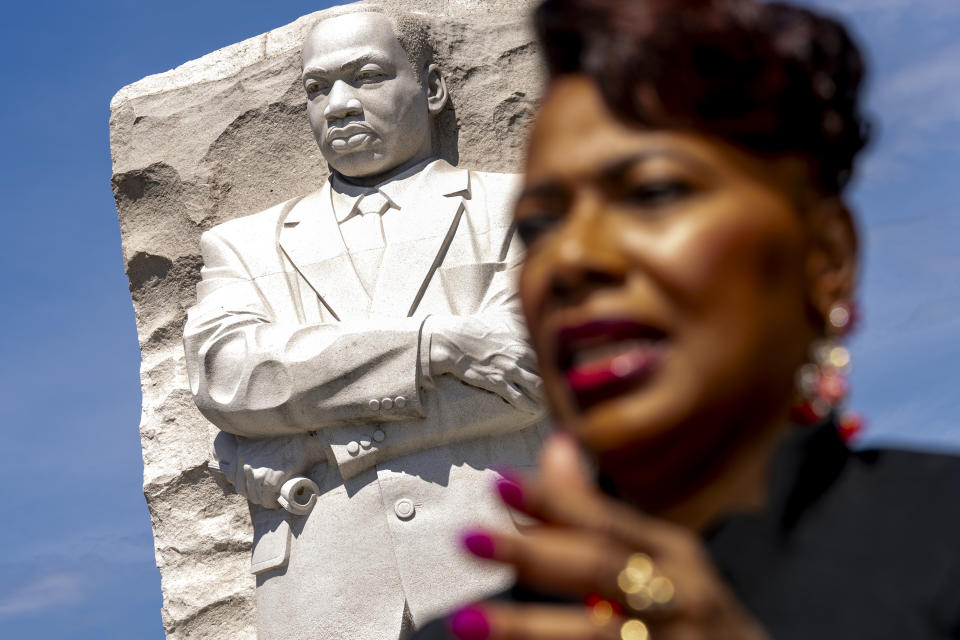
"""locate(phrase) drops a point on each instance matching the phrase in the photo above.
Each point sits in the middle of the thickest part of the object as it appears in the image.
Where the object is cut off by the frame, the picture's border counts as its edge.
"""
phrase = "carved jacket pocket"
(271, 539)
(466, 285)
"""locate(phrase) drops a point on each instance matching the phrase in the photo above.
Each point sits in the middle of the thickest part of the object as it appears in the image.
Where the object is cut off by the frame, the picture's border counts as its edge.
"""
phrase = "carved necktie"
(366, 261)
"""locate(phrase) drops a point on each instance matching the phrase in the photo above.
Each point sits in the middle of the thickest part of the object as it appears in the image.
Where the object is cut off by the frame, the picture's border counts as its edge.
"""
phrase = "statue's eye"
(370, 74)
(314, 87)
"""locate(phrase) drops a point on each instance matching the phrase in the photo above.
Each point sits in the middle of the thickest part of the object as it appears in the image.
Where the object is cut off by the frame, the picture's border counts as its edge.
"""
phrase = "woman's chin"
(632, 420)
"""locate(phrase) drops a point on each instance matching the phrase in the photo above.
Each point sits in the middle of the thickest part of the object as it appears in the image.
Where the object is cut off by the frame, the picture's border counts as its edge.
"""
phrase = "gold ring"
(633, 629)
(644, 589)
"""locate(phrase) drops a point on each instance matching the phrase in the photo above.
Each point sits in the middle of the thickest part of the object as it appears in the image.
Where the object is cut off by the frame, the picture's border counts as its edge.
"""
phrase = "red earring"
(822, 385)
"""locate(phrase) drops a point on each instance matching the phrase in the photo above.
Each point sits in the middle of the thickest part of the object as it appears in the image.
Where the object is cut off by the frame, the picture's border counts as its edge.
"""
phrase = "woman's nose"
(586, 255)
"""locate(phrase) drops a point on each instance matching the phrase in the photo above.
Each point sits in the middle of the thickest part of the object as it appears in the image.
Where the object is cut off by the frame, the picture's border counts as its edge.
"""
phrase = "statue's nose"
(341, 102)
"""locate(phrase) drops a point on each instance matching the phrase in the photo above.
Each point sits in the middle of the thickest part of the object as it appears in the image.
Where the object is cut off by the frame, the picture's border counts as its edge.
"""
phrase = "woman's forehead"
(577, 137)
(576, 134)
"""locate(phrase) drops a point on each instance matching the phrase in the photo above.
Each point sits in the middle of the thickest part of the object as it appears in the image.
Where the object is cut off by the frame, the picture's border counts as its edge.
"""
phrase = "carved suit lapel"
(311, 240)
(416, 249)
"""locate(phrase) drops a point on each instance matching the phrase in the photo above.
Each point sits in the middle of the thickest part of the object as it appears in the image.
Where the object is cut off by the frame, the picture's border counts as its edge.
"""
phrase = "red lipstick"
(602, 359)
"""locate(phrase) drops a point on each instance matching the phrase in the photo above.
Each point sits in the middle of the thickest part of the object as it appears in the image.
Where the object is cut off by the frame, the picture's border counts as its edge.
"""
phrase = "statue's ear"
(832, 256)
(436, 88)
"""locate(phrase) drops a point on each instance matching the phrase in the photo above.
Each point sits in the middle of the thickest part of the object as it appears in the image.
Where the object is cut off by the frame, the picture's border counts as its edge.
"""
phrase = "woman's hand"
(580, 548)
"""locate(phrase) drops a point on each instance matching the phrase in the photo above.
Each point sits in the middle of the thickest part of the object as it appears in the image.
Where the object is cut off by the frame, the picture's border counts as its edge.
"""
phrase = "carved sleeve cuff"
(426, 380)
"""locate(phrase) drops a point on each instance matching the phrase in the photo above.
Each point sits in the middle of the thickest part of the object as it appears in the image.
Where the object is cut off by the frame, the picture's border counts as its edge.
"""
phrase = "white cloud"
(914, 87)
(918, 107)
(120, 541)
(927, 93)
(864, 6)
(889, 11)
(44, 593)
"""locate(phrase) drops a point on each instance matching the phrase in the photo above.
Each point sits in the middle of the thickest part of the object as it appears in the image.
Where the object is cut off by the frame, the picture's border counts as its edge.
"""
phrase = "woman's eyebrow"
(619, 167)
(542, 190)
(615, 170)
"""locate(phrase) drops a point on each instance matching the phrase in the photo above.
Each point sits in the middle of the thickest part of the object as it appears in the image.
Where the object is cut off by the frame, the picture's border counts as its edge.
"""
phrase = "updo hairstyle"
(773, 78)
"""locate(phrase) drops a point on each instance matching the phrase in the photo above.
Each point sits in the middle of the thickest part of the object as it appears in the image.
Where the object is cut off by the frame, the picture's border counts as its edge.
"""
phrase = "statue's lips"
(349, 138)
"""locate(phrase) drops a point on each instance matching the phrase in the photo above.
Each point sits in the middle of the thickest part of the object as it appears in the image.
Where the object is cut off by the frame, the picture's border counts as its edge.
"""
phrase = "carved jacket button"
(399, 402)
(386, 404)
(379, 435)
(404, 508)
(374, 405)
(353, 447)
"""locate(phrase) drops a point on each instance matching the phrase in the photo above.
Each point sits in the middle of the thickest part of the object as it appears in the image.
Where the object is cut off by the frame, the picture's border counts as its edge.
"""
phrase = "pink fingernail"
(469, 623)
(510, 492)
(479, 544)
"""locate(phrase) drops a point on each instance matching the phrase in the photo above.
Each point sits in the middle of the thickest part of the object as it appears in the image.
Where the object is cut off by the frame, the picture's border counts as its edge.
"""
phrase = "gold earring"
(822, 384)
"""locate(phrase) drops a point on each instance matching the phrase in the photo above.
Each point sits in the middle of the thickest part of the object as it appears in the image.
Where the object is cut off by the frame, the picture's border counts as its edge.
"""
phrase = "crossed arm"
(257, 376)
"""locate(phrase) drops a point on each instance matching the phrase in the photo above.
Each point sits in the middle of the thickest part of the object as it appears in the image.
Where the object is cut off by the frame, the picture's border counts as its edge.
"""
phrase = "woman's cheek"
(718, 255)
(532, 287)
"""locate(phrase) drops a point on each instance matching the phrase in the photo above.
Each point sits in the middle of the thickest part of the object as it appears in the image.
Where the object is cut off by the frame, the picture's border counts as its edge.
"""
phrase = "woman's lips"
(603, 359)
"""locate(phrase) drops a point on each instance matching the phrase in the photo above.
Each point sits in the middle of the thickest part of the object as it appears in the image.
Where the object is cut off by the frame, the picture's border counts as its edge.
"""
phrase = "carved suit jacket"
(285, 340)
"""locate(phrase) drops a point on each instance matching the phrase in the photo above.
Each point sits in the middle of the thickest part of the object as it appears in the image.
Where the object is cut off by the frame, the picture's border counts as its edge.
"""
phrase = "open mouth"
(603, 359)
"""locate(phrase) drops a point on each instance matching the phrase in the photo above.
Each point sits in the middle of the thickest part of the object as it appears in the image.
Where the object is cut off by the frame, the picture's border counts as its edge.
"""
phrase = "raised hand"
(640, 576)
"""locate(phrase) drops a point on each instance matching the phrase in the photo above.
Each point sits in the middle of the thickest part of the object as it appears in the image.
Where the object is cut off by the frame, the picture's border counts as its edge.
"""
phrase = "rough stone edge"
(234, 58)
(217, 65)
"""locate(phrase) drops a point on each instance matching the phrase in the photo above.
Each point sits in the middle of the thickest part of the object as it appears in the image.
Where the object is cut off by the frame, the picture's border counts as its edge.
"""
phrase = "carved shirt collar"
(431, 177)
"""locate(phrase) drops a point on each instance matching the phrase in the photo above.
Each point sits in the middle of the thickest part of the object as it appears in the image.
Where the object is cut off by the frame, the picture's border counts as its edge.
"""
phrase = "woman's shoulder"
(866, 538)
(879, 495)
(818, 479)
(924, 483)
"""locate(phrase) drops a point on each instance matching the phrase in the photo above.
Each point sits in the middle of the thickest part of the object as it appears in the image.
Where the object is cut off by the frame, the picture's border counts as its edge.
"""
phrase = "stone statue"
(361, 350)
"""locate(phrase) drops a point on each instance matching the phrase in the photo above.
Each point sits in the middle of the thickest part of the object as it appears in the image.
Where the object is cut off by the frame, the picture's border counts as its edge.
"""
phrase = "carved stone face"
(367, 109)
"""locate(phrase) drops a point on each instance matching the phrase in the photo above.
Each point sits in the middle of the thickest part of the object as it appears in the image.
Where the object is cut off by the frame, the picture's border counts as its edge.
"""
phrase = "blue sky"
(77, 553)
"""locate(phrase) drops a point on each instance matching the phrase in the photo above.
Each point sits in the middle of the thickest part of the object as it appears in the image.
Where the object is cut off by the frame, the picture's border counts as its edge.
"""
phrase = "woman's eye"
(655, 194)
(531, 227)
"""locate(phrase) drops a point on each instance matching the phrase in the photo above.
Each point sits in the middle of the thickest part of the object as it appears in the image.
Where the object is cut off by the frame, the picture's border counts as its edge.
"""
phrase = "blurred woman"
(691, 270)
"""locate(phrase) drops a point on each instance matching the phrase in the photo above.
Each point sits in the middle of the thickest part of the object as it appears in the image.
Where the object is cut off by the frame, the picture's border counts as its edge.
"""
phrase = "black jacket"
(852, 545)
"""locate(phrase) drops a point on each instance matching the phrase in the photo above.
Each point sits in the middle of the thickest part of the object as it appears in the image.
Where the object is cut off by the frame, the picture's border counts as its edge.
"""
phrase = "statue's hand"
(488, 353)
(258, 467)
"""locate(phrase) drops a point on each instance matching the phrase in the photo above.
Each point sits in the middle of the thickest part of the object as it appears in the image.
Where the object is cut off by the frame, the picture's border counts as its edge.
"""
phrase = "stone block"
(224, 136)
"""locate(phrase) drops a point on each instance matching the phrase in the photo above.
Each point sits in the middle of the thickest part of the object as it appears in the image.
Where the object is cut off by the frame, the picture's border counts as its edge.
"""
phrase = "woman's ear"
(436, 88)
(831, 267)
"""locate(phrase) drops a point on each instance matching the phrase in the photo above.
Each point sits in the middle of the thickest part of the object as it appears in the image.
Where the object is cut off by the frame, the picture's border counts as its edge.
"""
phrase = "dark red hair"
(773, 78)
